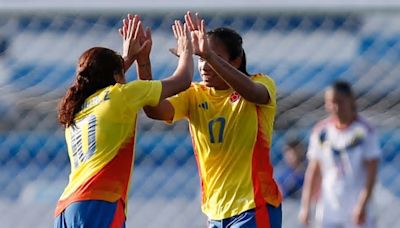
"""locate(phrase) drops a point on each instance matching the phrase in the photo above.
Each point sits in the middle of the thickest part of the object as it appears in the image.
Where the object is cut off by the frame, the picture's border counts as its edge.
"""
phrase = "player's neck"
(343, 122)
(222, 87)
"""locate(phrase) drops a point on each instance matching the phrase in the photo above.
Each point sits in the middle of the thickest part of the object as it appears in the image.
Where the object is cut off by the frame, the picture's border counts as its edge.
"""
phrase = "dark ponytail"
(96, 69)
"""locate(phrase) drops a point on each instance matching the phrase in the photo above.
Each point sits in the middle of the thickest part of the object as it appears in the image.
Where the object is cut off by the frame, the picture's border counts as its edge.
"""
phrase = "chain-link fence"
(303, 52)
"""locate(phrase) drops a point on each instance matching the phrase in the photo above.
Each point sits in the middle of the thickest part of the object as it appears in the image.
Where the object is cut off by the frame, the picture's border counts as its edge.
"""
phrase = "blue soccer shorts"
(92, 213)
(264, 217)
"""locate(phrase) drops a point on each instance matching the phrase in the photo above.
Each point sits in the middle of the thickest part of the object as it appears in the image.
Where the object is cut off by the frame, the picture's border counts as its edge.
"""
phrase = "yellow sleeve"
(180, 102)
(137, 94)
(269, 84)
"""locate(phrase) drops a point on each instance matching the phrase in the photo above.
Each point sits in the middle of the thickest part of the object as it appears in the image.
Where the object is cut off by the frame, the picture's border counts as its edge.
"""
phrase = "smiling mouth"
(207, 75)
(207, 79)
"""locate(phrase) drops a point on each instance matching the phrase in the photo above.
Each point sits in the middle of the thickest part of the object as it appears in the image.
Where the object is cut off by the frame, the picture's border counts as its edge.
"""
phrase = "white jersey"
(341, 154)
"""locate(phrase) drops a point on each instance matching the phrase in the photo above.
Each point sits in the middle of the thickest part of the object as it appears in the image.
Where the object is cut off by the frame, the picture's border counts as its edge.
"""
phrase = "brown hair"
(344, 87)
(95, 70)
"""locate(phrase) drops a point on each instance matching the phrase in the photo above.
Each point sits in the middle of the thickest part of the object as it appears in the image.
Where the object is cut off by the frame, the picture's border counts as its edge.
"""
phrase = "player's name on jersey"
(96, 100)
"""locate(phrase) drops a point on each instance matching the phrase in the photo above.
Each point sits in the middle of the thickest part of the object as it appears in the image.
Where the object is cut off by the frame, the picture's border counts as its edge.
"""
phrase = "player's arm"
(312, 181)
(164, 110)
(241, 83)
(179, 81)
(371, 168)
(143, 68)
(143, 64)
(181, 78)
(136, 44)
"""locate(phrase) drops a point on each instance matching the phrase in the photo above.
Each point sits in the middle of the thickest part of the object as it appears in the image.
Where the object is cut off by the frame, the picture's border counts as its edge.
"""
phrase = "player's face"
(338, 104)
(208, 75)
(291, 158)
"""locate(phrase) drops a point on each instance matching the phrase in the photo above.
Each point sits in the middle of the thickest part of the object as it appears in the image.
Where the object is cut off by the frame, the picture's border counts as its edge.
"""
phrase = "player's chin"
(208, 83)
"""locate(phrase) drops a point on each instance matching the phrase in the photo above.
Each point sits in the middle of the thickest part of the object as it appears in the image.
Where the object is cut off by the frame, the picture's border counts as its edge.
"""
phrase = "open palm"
(130, 33)
(182, 36)
(199, 35)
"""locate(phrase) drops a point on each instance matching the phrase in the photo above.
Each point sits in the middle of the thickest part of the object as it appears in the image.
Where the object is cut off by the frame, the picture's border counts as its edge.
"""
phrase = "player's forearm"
(153, 112)
(163, 111)
(143, 69)
(240, 82)
(366, 193)
(127, 63)
(306, 194)
(311, 183)
(185, 69)
(181, 78)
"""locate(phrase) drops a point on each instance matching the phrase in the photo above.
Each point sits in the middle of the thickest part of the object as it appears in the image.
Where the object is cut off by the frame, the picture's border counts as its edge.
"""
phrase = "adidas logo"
(203, 105)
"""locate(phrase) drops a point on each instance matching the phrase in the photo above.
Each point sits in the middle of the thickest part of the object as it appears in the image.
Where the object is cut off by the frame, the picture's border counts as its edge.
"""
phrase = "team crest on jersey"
(234, 97)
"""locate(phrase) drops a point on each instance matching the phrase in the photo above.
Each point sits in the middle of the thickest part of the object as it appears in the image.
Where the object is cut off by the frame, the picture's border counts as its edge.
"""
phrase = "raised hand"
(182, 36)
(146, 41)
(130, 33)
(197, 28)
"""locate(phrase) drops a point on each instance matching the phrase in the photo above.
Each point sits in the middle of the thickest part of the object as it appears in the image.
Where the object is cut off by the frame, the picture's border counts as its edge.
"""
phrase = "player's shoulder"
(198, 87)
(263, 78)
(135, 86)
(95, 99)
(118, 87)
(116, 93)
(363, 123)
(135, 83)
(321, 125)
(320, 129)
(114, 90)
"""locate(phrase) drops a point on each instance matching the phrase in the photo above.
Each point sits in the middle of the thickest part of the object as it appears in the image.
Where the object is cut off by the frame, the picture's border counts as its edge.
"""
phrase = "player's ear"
(119, 78)
(236, 62)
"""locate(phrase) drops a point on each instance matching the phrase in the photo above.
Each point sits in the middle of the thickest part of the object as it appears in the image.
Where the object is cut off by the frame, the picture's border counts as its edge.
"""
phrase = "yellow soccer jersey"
(231, 139)
(100, 144)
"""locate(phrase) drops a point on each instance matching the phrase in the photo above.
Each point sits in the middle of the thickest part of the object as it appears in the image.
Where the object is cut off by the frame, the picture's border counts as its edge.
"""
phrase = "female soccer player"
(343, 156)
(99, 114)
(231, 115)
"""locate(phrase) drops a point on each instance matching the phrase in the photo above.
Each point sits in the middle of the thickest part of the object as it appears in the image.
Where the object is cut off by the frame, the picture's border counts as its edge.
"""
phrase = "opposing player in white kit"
(343, 157)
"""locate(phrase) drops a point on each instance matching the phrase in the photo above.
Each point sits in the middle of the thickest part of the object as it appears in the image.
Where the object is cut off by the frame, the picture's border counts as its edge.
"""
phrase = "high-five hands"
(199, 35)
(136, 42)
(182, 36)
